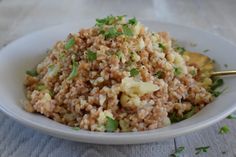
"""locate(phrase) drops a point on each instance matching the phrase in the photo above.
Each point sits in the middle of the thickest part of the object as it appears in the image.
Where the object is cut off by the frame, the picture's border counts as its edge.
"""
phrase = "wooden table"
(18, 18)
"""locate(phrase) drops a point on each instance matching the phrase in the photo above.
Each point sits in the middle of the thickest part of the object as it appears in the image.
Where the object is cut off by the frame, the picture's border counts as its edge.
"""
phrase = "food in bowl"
(117, 76)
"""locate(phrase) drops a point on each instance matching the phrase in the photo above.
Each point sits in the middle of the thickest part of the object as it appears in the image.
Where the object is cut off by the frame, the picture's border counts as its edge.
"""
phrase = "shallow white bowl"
(27, 51)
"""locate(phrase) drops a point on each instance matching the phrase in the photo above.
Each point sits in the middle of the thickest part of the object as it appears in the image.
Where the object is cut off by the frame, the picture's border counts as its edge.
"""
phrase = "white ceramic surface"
(27, 51)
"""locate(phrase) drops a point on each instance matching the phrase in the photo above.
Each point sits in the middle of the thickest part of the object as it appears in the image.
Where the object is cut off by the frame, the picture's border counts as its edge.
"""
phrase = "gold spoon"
(205, 64)
(223, 73)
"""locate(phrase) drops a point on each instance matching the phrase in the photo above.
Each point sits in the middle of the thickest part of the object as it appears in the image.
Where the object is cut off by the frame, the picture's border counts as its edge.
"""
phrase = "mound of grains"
(116, 76)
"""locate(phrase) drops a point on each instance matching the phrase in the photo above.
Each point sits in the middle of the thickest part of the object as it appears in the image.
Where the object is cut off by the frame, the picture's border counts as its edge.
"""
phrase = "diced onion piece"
(139, 88)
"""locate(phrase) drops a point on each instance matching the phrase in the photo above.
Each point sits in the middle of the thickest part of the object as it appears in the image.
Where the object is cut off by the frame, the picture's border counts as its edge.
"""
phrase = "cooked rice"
(105, 87)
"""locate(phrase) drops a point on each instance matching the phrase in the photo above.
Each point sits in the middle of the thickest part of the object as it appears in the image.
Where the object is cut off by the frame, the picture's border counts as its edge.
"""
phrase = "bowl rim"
(116, 138)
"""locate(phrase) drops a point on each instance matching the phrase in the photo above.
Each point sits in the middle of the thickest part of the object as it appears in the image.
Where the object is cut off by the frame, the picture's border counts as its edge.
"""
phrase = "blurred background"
(19, 17)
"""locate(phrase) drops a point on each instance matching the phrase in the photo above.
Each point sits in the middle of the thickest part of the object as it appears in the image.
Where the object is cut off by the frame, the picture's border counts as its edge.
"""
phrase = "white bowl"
(27, 51)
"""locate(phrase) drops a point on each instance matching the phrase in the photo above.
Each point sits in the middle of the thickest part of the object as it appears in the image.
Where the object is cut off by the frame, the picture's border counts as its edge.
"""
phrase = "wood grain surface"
(20, 17)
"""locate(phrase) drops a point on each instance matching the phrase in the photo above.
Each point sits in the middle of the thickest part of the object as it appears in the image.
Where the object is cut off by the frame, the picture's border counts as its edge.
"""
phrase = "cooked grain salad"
(116, 76)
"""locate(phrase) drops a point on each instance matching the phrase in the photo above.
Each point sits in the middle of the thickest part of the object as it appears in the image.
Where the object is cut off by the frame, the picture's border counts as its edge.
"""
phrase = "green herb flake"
(161, 46)
(206, 50)
(178, 151)
(217, 82)
(51, 93)
(109, 20)
(232, 116)
(76, 128)
(129, 63)
(132, 56)
(176, 118)
(201, 150)
(32, 72)
(177, 71)
(223, 152)
(120, 17)
(224, 129)
(62, 56)
(112, 32)
(70, 43)
(119, 54)
(111, 124)
(74, 71)
(133, 21)
(100, 22)
(180, 50)
(193, 72)
(190, 113)
(127, 31)
(41, 87)
(51, 67)
(159, 74)
(91, 55)
(216, 93)
(134, 72)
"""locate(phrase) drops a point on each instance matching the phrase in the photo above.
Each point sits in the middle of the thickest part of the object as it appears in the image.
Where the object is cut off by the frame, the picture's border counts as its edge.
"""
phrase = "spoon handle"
(223, 73)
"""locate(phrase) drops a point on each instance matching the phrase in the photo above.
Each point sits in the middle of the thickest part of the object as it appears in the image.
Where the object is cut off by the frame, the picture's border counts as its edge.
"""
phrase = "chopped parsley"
(70, 43)
(178, 151)
(190, 113)
(32, 72)
(112, 32)
(223, 152)
(180, 50)
(111, 124)
(159, 74)
(62, 56)
(176, 118)
(216, 93)
(133, 56)
(51, 67)
(109, 20)
(201, 150)
(193, 72)
(133, 21)
(76, 128)
(129, 63)
(120, 17)
(91, 55)
(217, 82)
(74, 71)
(232, 116)
(224, 129)
(127, 31)
(177, 71)
(134, 72)
(51, 93)
(206, 50)
(161, 46)
(119, 54)
(41, 87)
